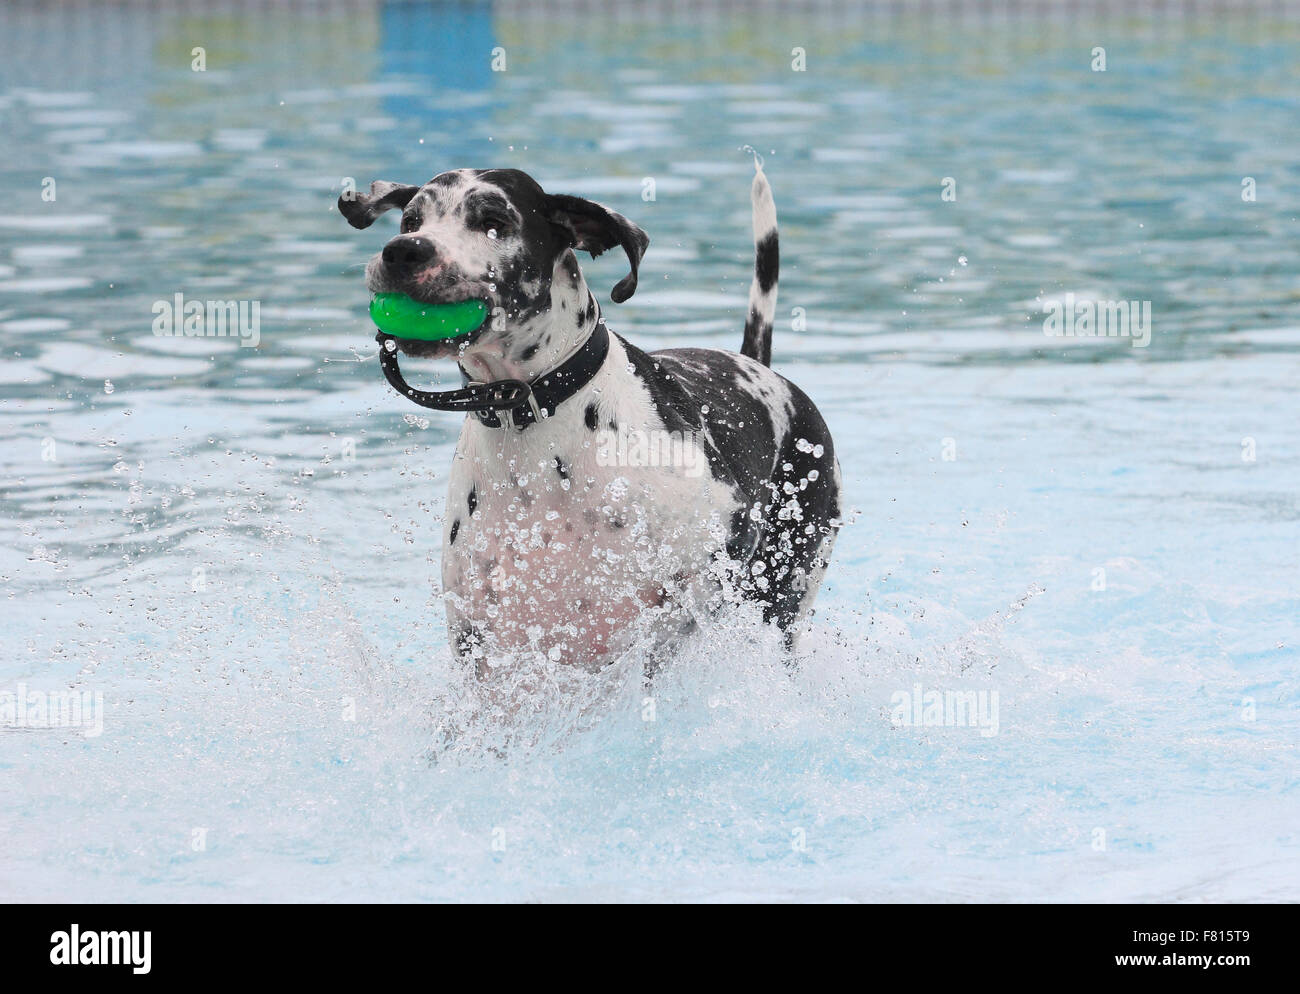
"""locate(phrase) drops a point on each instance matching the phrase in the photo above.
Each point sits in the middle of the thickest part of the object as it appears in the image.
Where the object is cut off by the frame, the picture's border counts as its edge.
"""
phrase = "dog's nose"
(407, 252)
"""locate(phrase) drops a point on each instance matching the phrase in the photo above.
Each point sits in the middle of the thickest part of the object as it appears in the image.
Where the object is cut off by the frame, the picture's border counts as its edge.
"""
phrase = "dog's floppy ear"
(362, 210)
(595, 228)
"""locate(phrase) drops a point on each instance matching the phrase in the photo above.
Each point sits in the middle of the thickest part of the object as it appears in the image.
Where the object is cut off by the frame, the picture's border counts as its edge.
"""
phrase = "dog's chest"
(560, 541)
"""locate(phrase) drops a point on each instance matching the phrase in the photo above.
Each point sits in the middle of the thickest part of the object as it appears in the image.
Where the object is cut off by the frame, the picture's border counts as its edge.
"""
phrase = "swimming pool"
(234, 549)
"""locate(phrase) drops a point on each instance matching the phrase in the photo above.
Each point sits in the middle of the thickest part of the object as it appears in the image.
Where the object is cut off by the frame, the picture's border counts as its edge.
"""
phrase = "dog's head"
(492, 235)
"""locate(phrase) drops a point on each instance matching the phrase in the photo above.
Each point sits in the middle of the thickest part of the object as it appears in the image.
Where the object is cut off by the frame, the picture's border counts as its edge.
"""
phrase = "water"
(238, 547)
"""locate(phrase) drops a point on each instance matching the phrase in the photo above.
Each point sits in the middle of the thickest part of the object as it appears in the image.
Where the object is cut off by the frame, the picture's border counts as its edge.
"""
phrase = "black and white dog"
(631, 493)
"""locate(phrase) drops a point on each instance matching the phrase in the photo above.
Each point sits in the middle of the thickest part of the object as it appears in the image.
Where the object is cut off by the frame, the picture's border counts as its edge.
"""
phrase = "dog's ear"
(595, 228)
(361, 210)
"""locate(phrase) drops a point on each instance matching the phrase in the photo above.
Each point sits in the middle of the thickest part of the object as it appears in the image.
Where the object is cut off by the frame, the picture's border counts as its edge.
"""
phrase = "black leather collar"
(520, 404)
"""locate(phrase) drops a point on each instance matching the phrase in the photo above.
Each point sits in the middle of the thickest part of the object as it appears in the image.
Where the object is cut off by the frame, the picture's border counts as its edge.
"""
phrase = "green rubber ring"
(398, 315)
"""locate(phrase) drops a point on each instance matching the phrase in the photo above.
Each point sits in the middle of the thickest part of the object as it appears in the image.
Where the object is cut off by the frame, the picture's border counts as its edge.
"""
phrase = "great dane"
(599, 494)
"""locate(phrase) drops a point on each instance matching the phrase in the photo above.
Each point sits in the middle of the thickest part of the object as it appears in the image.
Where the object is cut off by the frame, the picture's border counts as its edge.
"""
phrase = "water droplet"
(492, 232)
(390, 345)
(108, 386)
(961, 260)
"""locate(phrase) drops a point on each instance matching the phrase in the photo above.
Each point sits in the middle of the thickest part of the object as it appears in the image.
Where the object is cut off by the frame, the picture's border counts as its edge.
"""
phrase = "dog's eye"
(491, 224)
(410, 222)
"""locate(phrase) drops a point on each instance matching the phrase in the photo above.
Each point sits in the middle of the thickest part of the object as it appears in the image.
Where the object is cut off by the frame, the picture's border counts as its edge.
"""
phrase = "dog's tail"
(767, 261)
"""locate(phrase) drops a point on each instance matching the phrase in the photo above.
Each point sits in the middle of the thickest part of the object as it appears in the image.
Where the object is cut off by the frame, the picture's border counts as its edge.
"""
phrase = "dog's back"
(767, 438)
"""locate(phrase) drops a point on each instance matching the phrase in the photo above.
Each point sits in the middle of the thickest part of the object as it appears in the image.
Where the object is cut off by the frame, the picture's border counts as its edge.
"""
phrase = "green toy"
(398, 315)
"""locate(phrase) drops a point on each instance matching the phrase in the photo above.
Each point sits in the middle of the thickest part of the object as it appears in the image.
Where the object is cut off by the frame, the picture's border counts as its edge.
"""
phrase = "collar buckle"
(506, 415)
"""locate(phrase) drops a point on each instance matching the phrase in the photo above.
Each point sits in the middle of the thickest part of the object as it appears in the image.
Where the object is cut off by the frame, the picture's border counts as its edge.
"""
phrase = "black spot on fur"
(767, 261)
(529, 352)
(473, 500)
(590, 417)
(560, 468)
(466, 639)
(757, 343)
(455, 530)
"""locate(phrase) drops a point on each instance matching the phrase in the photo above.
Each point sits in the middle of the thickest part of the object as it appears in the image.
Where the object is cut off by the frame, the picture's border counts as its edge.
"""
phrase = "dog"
(620, 494)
